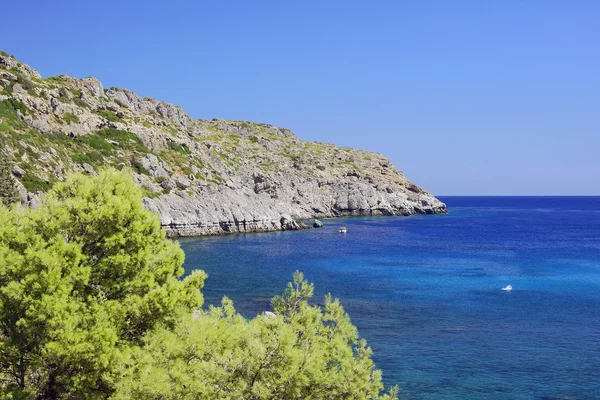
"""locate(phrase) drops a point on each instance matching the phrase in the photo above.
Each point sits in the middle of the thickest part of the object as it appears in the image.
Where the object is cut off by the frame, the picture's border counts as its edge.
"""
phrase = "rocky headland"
(203, 177)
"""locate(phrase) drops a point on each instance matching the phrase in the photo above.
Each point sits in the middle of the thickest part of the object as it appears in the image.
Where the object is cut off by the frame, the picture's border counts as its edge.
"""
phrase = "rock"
(182, 183)
(18, 89)
(88, 169)
(18, 172)
(317, 224)
(154, 166)
(94, 86)
(33, 200)
(288, 224)
(168, 184)
(8, 76)
(24, 196)
(269, 315)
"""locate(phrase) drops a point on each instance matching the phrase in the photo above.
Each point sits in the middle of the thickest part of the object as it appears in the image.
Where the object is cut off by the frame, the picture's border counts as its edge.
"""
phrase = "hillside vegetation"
(201, 176)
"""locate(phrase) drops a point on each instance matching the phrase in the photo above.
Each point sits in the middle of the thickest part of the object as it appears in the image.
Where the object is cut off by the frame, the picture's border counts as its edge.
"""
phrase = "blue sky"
(465, 97)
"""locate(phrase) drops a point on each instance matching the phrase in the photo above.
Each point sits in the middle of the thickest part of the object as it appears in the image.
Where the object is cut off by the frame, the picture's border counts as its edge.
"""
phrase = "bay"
(425, 292)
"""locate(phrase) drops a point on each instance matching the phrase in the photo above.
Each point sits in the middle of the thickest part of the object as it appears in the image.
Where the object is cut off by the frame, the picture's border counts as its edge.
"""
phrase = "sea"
(425, 292)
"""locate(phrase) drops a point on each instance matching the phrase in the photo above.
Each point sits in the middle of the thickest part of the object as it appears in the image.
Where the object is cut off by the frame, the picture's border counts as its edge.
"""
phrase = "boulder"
(183, 183)
(168, 184)
(18, 172)
(154, 166)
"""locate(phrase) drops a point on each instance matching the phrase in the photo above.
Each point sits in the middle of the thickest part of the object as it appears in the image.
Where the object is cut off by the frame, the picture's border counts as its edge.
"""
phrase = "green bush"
(98, 143)
(8, 113)
(54, 79)
(70, 118)
(179, 148)
(33, 183)
(80, 103)
(25, 82)
(8, 189)
(139, 168)
(109, 115)
(299, 352)
(88, 158)
(126, 139)
(5, 127)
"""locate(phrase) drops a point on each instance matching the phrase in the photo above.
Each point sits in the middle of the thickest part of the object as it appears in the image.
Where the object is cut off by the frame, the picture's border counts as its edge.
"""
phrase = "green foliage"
(109, 115)
(99, 141)
(83, 278)
(54, 79)
(8, 190)
(70, 118)
(295, 297)
(9, 116)
(150, 194)
(91, 158)
(179, 148)
(92, 307)
(5, 54)
(126, 140)
(25, 82)
(80, 103)
(18, 106)
(123, 137)
(303, 352)
(33, 183)
(139, 167)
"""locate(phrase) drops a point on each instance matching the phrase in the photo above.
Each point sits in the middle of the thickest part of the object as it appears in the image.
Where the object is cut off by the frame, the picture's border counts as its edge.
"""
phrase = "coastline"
(251, 227)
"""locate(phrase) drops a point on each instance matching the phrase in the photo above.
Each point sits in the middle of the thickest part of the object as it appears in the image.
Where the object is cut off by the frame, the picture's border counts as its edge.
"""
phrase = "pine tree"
(83, 277)
(8, 189)
(92, 306)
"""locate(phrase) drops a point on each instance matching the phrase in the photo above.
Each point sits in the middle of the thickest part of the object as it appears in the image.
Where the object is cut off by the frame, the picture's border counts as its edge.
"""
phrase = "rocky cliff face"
(203, 177)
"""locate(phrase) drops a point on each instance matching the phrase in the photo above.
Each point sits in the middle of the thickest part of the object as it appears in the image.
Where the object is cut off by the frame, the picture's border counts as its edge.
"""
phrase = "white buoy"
(508, 288)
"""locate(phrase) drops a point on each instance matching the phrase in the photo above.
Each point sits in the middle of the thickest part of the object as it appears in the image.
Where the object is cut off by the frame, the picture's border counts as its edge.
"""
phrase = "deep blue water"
(425, 292)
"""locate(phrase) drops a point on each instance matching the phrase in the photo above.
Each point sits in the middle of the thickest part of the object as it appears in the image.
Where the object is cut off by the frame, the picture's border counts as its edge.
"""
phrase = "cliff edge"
(203, 177)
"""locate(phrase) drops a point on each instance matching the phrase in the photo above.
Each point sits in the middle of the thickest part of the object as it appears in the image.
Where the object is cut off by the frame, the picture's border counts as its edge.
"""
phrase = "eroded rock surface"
(203, 177)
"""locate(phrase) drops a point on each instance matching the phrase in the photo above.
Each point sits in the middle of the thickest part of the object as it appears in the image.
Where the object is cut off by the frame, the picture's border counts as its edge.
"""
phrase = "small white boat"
(508, 288)
(343, 229)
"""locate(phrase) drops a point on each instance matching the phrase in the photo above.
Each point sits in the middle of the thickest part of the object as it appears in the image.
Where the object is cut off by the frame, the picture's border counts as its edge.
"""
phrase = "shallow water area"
(425, 291)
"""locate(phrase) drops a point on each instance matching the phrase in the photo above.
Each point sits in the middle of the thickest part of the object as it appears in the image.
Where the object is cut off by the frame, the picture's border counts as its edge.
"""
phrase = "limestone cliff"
(202, 177)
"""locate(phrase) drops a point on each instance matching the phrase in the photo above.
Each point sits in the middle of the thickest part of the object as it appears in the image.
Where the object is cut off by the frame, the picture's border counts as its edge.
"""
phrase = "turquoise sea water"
(425, 292)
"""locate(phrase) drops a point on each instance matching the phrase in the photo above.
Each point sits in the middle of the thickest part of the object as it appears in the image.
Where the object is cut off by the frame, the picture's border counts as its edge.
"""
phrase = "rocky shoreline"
(202, 177)
(223, 212)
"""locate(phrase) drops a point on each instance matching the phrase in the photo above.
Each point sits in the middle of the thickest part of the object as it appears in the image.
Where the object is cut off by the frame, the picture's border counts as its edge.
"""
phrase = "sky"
(465, 97)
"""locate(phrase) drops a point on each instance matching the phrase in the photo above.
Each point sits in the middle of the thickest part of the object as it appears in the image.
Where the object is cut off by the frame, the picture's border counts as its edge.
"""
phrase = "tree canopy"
(8, 189)
(300, 352)
(92, 306)
(83, 278)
